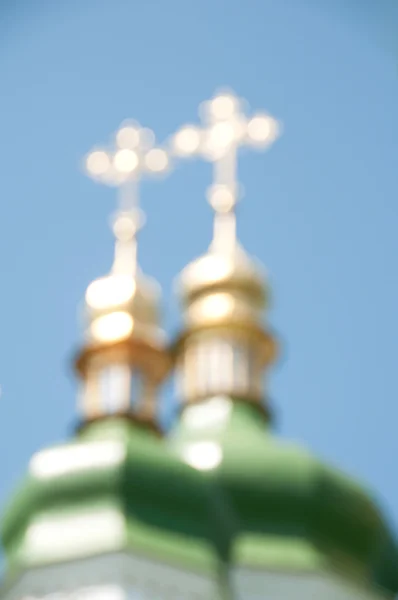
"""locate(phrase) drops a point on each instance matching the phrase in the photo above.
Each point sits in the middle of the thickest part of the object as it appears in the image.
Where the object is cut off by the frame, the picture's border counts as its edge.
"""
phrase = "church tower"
(124, 359)
(111, 514)
(224, 348)
(302, 529)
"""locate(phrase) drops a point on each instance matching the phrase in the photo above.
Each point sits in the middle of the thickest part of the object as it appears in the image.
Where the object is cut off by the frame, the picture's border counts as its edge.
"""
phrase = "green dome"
(159, 507)
(291, 512)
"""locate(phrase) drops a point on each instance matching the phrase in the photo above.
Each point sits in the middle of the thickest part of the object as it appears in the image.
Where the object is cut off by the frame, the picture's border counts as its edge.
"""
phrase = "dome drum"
(222, 360)
(266, 347)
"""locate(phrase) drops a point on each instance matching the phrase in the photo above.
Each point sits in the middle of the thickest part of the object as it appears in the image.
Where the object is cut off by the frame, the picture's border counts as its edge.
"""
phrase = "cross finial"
(132, 157)
(226, 129)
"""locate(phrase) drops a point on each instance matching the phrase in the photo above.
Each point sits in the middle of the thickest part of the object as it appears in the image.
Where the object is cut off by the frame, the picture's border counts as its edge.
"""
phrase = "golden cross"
(132, 157)
(225, 129)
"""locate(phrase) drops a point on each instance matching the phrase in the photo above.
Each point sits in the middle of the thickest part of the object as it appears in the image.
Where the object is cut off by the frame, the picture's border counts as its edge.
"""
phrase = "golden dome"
(120, 306)
(232, 271)
(225, 344)
(224, 288)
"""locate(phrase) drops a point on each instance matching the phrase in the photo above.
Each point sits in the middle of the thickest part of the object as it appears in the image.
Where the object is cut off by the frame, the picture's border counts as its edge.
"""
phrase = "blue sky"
(320, 208)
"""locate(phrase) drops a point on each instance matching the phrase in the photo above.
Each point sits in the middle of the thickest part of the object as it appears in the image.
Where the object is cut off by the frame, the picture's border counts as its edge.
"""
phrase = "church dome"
(136, 296)
(113, 490)
(226, 290)
(233, 270)
(292, 512)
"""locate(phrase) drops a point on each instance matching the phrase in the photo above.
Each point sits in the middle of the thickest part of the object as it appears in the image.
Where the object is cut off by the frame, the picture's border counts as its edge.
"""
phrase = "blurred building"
(219, 507)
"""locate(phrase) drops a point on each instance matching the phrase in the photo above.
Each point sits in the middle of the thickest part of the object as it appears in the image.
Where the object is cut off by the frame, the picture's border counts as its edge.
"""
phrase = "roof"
(291, 511)
(139, 498)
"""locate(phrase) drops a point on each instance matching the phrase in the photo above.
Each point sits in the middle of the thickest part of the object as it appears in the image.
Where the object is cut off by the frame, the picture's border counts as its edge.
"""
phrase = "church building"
(218, 507)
